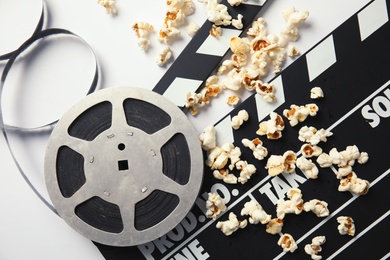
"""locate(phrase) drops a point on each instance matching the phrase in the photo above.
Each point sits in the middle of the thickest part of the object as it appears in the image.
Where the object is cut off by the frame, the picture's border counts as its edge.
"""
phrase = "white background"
(44, 88)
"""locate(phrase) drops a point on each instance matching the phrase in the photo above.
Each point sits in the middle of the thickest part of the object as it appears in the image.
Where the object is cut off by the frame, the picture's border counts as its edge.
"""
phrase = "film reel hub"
(123, 166)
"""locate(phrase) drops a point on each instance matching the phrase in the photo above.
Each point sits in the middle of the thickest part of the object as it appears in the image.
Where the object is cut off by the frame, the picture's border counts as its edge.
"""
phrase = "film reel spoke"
(166, 184)
(78, 145)
(81, 195)
(119, 120)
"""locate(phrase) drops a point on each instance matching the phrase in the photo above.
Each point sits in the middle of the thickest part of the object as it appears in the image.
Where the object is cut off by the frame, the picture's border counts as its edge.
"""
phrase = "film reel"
(123, 166)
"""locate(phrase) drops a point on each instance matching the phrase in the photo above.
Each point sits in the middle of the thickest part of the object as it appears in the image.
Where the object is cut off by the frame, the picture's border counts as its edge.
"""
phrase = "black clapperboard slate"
(358, 80)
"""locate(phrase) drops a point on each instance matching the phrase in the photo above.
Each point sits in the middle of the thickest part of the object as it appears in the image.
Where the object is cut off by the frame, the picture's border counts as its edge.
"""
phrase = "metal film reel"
(123, 166)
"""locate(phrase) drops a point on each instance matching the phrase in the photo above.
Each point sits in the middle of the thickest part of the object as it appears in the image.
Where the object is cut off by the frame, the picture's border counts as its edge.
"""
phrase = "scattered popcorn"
(225, 176)
(109, 5)
(291, 51)
(315, 247)
(264, 89)
(307, 167)
(293, 18)
(312, 135)
(237, 23)
(298, 114)
(277, 164)
(346, 225)
(316, 93)
(167, 33)
(215, 31)
(256, 213)
(309, 150)
(318, 207)
(235, 2)
(354, 184)
(287, 242)
(208, 138)
(231, 225)
(246, 171)
(293, 205)
(272, 128)
(363, 158)
(234, 154)
(217, 13)
(164, 56)
(274, 226)
(234, 79)
(215, 205)
(343, 171)
(233, 100)
(239, 119)
(192, 28)
(188, 7)
(256, 145)
(239, 46)
(324, 160)
(142, 29)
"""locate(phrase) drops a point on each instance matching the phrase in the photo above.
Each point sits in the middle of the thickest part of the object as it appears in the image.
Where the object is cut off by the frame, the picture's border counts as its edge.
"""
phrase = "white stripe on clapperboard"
(248, 193)
(364, 22)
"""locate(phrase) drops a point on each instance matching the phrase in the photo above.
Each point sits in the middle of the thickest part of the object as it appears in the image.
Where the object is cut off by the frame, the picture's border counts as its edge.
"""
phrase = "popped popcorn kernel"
(237, 23)
(239, 46)
(363, 158)
(167, 33)
(316, 93)
(235, 2)
(142, 29)
(293, 205)
(192, 28)
(318, 207)
(297, 114)
(225, 176)
(239, 119)
(208, 138)
(312, 135)
(217, 13)
(277, 164)
(215, 31)
(231, 225)
(354, 184)
(346, 226)
(109, 5)
(233, 100)
(258, 28)
(256, 213)
(307, 167)
(215, 205)
(272, 128)
(315, 247)
(292, 51)
(164, 56)
(256, 145)
(274, 226)
(246, 171)
(287, 242)
(309, 150)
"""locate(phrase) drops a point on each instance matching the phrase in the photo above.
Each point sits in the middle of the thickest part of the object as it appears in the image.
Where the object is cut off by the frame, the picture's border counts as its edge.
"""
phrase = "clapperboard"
(352, 66)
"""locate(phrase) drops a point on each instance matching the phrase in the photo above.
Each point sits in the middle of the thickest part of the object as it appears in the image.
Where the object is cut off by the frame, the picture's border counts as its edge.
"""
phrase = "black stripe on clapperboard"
(194, 65)
(351, 65)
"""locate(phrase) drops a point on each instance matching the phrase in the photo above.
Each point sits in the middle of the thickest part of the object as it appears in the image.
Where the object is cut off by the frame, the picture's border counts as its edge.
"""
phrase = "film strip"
(203, 54)
(356, 109)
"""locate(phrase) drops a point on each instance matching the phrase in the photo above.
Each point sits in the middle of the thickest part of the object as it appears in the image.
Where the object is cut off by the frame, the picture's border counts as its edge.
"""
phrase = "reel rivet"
(91, 159)
(130, 133)
(144, 189)
(106, 193)
(110, 136)
(153, 152)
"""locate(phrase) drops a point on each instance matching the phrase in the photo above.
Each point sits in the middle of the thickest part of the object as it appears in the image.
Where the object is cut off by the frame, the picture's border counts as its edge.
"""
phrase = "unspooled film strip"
(351, 65)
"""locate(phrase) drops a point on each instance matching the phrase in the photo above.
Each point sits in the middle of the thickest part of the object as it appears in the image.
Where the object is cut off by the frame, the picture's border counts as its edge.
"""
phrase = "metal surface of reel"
(123, 166)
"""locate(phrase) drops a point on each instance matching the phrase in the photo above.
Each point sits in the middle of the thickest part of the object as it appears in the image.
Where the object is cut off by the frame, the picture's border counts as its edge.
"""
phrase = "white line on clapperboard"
(268, 177)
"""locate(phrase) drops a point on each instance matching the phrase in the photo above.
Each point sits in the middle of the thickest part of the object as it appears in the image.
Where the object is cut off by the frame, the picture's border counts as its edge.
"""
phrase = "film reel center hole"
(121, 146)
(123, 165)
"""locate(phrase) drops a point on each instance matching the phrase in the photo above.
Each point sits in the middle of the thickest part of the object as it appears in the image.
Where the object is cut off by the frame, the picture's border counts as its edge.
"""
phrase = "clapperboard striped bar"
(203, 54)
(351, 65)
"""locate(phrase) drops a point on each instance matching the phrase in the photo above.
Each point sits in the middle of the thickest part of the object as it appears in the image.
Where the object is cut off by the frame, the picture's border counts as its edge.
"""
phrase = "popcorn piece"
(363, 158)
(274, 226)
(312, 135)
(239, 46)
(215, 31)
(174, 18)
(234, 79)
(256, 213)
(164, 56)
(324, 160)
(315, 247)
(234, 154)
(192, 28)
(309, 150)
(208, 138)
(256, 145)
(272, 128)
(257, 29)
(277, 164)
(293, 18)
(215, 205)
(142, 29)
(239, 119)
(343, 171)
(298, 114)
(307, 167)
(291, 51)
(235, 2)
(217, 13)
(293, 205)
(264, 89)
(188, 7)
(109, 5)
(316, 93)
(318, 207)
(233, 100)
(246, 171)
(346, 225)
(237, 23)
(224, 175)
(231, 225)
(167, 33)
(287, 242)
(354, 184)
